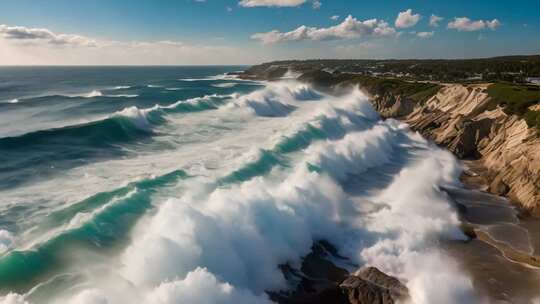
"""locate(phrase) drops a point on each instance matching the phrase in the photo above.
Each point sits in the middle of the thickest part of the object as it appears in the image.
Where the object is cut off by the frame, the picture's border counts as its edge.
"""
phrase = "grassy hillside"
(517, 99)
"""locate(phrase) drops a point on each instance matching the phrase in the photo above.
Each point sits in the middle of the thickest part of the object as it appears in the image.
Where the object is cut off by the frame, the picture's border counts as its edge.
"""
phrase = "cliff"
(464, 119)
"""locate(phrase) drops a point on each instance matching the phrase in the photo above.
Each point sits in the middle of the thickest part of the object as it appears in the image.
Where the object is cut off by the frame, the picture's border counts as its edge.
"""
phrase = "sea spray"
(224, 245)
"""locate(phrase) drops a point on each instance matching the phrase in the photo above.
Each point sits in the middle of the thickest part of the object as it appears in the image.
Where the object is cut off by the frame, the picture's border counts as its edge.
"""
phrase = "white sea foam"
(13, 298)
(201, 286)
(276, 99)
(97, 93)
(94, 93)
(240, 234)
(15, 100)
(193, 100)
(6, 240)
(219, 77)
(123, 95)
(224, 246)
(224, 85)
(355, 153)
(291, 74)
(215, 77)
(139, 117)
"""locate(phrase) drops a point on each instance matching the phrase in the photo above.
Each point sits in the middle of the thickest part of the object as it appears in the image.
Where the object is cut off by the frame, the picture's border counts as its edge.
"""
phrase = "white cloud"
(425, 34)
(434, 20)
(464, 24)
(21, 33)
(407, 19)
(38, 46)
(350, 28)
(316, 4)
(270, 3)
(335, 17)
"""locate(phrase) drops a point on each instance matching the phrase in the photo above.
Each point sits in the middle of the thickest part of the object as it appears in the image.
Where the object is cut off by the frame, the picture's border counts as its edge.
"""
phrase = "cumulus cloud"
(434, 20)
(425, 34)
(270, 3)
(407, 19)
(464, 24)
(22, 33)
(350, 28)
(316, 4)
(335, 17)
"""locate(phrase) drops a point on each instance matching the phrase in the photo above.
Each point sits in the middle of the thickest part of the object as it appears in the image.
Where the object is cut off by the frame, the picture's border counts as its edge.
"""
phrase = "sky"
(209, 32)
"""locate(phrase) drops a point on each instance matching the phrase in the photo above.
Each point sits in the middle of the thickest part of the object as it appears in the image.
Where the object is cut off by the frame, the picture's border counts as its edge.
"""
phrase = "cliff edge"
(464, 119)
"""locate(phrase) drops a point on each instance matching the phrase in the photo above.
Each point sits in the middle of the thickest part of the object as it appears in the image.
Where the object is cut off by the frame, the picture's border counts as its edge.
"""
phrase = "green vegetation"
(508, 68)
(419, 92)
(533, 119)
(517, 99)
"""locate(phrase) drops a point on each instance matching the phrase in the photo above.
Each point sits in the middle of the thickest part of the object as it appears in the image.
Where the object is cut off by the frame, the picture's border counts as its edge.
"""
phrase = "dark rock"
(372, 286)
(470, 133)
(360, 291)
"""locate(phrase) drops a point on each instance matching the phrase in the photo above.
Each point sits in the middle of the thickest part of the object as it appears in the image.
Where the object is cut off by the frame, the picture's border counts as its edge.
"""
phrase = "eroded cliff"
(466, 121)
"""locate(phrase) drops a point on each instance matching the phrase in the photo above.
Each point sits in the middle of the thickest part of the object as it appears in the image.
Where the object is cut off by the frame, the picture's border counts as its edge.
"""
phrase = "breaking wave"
(99, 221)
(373, 188)
(119, 127)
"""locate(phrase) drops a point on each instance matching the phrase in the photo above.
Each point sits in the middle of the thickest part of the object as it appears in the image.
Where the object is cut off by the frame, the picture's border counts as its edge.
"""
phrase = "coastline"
(451, 127)
(462, 118)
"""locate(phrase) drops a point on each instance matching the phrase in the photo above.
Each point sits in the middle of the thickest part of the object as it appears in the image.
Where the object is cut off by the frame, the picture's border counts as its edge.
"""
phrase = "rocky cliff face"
(463, 119)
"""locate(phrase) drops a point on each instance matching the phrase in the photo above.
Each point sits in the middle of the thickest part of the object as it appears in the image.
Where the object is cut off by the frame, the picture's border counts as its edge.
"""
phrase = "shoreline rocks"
(370, 285)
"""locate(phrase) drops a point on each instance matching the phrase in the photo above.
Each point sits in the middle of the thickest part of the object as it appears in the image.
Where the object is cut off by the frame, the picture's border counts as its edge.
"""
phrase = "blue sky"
(239, 31)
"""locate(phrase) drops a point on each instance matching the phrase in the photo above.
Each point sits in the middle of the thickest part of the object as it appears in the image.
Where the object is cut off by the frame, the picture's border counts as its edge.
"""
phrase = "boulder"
(369, 285)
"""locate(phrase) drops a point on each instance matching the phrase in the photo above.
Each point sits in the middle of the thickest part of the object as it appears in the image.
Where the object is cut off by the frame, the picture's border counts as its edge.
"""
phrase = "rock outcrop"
(370, 285)
(463, 119)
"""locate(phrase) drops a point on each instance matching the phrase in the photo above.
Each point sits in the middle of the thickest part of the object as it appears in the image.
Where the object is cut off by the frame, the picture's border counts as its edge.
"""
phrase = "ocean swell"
(372, 188)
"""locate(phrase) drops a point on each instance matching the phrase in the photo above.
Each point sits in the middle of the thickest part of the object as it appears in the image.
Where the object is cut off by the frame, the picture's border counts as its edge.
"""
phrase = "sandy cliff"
(463, 119)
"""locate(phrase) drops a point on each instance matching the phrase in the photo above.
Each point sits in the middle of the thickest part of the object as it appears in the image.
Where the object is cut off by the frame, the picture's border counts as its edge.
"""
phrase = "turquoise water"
(158, 184)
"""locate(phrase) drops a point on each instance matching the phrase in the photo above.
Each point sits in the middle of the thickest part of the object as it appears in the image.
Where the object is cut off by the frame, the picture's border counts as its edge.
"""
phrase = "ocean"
(186, 185)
